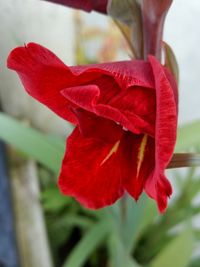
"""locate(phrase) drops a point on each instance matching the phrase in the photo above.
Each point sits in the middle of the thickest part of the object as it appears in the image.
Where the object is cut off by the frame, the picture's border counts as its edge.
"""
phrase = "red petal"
(92, 171)
(125, 73)
(87, 5)
(137, 118)
(139, 101)
(173, 84)
(158, 186)
(43, 76)
(94, 126)
(139, 151)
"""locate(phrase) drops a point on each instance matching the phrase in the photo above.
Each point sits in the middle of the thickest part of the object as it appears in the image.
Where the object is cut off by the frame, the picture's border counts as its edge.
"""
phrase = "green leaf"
(133, 220)
(126, 217)
(73, 220)
(150, 214)
(53, 200)
(128, 12)
(195, 262)
(39, 146)
(188, 136)
(171, 62)
(119, 255)
(88, 244)
(177, 253)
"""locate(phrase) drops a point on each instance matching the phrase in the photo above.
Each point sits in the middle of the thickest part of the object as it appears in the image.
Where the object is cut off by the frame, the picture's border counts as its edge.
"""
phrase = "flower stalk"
(153, 15)
(181, 160)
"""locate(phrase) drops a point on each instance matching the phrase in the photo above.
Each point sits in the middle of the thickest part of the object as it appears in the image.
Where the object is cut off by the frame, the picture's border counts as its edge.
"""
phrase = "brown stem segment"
(181, 160)
(153, 16)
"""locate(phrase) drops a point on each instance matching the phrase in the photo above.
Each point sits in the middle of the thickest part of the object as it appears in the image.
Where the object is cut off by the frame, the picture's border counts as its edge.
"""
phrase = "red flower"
(125, 115)
(86, 5)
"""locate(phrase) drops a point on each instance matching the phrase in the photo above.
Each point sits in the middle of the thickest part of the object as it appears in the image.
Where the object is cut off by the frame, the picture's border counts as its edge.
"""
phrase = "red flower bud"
(154, 13)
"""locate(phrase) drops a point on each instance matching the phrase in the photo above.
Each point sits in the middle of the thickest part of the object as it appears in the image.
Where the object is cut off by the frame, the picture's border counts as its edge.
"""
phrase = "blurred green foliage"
(127, 234)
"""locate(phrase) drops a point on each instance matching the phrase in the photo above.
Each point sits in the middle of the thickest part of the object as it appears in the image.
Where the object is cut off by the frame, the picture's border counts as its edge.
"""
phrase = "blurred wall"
(182, 32)
(51, 25)
(23, 21)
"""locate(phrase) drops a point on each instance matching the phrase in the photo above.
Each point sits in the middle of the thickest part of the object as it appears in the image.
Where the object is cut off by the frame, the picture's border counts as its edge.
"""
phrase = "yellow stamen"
(112, 151)
(141, 152)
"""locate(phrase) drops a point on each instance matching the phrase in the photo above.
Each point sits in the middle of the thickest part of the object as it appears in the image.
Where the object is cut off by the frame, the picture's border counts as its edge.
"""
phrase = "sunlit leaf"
(177, 253)
(33, 143)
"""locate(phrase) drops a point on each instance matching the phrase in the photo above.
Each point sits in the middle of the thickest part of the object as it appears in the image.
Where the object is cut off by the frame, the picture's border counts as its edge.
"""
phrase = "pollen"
(111, 152)
(141, 153)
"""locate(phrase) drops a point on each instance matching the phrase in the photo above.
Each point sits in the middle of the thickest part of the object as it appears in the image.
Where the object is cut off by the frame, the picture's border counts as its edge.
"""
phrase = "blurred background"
(38, 226)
